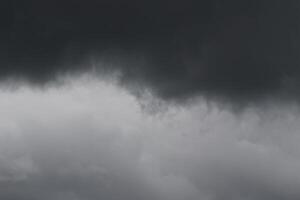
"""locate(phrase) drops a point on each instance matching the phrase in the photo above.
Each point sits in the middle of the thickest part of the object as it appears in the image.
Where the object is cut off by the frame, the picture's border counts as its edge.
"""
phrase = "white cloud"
(89, 139)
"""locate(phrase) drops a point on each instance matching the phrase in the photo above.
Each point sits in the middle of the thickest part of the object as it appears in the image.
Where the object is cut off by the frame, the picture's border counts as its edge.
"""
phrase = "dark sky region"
(137, 100)
(234, 49)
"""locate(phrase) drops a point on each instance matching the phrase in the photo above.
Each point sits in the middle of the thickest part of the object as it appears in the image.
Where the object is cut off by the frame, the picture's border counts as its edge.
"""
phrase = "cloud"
(236, 50)
(90, 139)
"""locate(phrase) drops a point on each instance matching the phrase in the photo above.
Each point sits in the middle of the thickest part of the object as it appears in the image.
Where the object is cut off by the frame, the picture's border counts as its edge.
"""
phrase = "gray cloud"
(90, 140)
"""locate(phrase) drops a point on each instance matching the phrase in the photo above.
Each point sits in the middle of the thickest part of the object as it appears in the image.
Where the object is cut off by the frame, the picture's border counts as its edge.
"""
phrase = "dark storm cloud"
(240, 49)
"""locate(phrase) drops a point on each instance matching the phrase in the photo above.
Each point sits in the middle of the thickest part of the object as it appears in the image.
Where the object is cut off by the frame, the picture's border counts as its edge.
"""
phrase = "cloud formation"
(90, 140)
(74, 137)
(242, 50)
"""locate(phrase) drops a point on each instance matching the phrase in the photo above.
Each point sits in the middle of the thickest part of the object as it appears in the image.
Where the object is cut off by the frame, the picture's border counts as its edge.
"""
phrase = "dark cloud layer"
(240, 49)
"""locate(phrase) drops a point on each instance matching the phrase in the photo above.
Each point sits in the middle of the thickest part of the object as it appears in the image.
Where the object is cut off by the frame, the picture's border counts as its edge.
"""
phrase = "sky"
(149, 100)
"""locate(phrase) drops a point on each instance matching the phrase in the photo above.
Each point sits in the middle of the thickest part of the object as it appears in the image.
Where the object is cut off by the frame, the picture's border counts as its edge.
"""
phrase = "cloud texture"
(90, 140)
(66, 135)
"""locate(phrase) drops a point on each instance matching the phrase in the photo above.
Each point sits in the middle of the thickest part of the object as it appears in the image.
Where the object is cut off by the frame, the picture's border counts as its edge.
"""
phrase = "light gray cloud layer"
(90, 140)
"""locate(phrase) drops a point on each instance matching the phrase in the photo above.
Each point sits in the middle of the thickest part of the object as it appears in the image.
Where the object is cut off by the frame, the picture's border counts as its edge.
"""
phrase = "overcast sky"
(149, 100)
(90, 139)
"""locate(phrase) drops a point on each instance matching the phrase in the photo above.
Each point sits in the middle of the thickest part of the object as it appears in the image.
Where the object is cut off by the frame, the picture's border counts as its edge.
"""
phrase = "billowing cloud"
(237, 50)
(91, 99)
(89, 139)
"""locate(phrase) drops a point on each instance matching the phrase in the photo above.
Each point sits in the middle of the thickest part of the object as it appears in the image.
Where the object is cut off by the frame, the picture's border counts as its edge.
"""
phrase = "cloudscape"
(149, 100)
